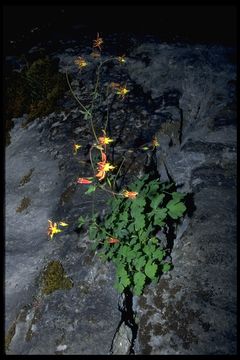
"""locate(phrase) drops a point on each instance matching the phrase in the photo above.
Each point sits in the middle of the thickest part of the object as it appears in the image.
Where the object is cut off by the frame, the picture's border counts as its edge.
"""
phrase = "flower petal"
(63, 223)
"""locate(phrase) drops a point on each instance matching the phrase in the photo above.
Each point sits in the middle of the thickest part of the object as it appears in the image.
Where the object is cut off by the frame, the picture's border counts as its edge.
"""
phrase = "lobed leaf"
(150, 269)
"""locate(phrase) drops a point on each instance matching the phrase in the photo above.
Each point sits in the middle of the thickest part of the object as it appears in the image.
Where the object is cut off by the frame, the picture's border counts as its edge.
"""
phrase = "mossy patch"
(25, 202)
(10, 334)
(54, 278)
(35, 91)
(26, 178)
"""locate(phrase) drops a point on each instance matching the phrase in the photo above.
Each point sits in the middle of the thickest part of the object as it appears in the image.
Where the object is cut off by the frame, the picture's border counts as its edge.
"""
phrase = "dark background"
(194, 24)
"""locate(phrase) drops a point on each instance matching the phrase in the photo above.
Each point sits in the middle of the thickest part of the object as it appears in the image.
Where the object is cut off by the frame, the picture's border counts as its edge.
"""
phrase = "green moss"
(26, 178)
(25, 202)
(54, 278)
(10, 334)
(35, 91)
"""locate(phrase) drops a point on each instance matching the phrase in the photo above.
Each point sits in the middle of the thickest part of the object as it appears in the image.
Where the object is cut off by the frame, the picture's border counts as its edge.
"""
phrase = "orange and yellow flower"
(84, 181)
(98, 42)
(130, 194)
(52, 229)
(63, 223)
(121, 59)
(122, 91)
(81, 62)
(104, 140)
(76, 147)
(103, 167)
(112, 240)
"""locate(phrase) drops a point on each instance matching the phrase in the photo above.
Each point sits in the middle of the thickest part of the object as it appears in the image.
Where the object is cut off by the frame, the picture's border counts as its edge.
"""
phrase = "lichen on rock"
(54, 278)
(25, 202)
(26, 178)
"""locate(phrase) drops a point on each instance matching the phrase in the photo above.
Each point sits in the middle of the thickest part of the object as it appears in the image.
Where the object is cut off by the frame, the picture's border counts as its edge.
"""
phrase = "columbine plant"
(128, 234)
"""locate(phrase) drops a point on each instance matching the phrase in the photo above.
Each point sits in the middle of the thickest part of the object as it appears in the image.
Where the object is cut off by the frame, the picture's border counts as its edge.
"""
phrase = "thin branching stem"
(76, 98)
(118, 171)
(106, 124)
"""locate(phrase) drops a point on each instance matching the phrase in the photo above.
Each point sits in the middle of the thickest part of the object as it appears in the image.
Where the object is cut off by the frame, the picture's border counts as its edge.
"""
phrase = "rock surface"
(193, 309)
(185, 95)
(65, 321)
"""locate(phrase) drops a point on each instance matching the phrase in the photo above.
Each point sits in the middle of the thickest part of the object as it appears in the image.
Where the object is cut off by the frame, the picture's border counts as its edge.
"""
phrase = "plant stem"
(76, 98)
(90, 156)
(94, 97)
(104, 230)
(109, 191)
(118, 172)
(106, 124)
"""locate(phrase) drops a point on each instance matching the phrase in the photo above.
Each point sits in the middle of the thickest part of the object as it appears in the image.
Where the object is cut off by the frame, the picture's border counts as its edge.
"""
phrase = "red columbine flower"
(103, 167)
(112, 240)
(76, 147)
(122, 91)
(83, 181)
(104, 140)
(122, 59)
(81, 62)
(52, 229)
(130, 194)
(98, 42)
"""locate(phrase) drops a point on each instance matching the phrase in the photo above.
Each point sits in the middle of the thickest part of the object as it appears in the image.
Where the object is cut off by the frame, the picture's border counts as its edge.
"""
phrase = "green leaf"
(139, 222)
(91, 189)
(150, 269)
(124, 217)
(137, 247)
(137, 206)
(121, 233)
(131, 255)
(140, 262)
(158, 254)
(86, 114)
(124, 280)
(143, 236)
(153, 189)
(175, 209)
(133, 240)
(147, 250)
(102, 256)
(115, 204)
(157, 200)
(81, 222)
(119, 287)
(160, 215)
(124, 249)
(131, 227)
(177, 196)
(139, 279)
(120, 270)
(92, 231)
(137, 291)
(166, 267)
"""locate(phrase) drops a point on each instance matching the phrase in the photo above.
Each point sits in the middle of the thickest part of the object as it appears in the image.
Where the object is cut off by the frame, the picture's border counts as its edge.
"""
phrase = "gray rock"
(192, 310)
(69, 321)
